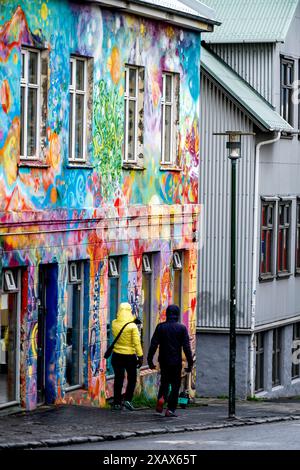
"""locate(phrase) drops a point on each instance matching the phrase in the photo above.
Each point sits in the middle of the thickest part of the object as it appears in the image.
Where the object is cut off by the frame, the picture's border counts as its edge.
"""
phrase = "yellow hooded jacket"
(129, 341)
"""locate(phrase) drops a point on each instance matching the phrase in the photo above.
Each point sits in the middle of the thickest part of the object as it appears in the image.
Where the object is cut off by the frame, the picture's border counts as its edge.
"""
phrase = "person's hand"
(152, 365)
(140, 361)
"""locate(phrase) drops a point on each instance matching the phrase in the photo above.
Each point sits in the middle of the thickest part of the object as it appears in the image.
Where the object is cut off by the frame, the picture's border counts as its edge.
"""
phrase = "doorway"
(46, 337)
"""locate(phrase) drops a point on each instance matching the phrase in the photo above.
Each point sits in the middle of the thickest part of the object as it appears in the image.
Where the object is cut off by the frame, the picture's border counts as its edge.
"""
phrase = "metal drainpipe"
(254, 257)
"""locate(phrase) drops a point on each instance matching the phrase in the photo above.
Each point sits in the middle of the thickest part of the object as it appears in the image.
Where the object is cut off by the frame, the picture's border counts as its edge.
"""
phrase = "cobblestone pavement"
(51, 426)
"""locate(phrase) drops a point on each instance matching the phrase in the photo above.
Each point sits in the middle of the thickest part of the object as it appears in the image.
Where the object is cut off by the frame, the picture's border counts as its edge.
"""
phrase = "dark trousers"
(170, 375)
(120, 363)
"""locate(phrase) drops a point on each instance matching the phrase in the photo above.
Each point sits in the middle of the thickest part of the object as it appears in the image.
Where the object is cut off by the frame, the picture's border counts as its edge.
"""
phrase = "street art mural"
(53, 212)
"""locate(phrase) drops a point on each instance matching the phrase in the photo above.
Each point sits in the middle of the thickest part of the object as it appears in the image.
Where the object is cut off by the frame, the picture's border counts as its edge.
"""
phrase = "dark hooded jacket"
(171, 337)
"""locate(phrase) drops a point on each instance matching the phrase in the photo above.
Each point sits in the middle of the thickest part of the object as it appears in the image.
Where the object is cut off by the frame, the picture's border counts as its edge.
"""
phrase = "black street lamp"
(233, 145)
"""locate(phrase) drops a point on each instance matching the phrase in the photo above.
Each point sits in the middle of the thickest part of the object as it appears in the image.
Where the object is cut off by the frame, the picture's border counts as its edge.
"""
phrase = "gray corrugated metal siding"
(218, 115)
(253, 62)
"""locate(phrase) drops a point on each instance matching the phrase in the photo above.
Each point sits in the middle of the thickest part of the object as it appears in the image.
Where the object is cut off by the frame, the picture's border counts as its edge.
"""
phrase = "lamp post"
(233, 145)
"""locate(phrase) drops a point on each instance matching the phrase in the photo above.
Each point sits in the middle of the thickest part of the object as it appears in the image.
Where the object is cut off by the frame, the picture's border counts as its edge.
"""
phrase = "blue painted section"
(51, 330)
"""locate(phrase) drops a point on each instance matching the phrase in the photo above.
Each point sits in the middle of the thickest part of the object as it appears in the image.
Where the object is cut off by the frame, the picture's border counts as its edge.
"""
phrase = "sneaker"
(116, 408)
(129, 406)
(160, 405)
(170, 414)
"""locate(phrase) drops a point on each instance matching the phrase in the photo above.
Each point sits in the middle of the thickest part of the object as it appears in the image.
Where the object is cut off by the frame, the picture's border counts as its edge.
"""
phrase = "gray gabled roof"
(187, 13)
(251, 20)
(243, 94)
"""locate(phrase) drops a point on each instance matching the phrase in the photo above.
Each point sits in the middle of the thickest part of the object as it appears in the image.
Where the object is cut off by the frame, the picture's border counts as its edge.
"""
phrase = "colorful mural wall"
(53, 213)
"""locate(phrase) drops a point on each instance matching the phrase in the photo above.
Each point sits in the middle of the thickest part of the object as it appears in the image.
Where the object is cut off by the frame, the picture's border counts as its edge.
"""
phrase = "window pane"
(33, 68)
(23, 66)
(131, 130)
(132, 82)
(71, 137)
(79, 127)
(32, 122)
(168, 91)
(177, 288)
(79, 75)
(22, 145)
(146, 333)
(8, 350)
(73, 335)
(71, 72)
(113, 302)
(167, 142)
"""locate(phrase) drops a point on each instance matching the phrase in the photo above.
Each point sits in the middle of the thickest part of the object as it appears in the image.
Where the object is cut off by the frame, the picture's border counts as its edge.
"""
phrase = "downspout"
(254, 256)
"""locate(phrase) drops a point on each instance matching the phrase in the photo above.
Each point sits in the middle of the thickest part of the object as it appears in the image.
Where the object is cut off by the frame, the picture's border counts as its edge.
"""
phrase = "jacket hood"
(125, 312)
(173, 313)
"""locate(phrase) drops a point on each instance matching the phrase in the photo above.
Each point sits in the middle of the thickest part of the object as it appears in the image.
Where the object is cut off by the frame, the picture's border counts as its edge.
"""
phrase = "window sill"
(73, 388)
(132, 166)
(266, 278)
(287, 136)
(277, 387)
(33, 164)
(170, 168)
(295, 380)
(82, 166)
(283, 275)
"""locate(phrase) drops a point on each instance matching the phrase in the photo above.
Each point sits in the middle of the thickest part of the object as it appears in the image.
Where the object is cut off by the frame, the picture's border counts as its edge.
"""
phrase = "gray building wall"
(220, 114)
(213, 372)
(279, 299)
(253, 62)
(288, 386)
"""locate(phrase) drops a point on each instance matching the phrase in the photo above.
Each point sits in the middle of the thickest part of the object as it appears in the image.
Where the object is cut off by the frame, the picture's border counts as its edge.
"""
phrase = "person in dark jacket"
(171, 337)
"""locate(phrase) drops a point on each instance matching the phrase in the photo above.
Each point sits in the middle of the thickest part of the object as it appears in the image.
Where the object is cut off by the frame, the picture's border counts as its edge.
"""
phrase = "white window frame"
(9, 281)
(74, 273)
(73, 92)
(25, 84)
(80, 283)
(146, 264)
(127, 99)
(177, 261)
(165, 103)
(113, 267)
(17, 292)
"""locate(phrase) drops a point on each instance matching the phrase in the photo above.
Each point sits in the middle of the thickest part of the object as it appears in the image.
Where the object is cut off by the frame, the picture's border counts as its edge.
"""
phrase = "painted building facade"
(76, 216)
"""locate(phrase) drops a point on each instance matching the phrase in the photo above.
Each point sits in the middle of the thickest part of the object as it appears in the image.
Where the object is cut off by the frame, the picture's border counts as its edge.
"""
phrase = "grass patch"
(255, 398)
(141, 401)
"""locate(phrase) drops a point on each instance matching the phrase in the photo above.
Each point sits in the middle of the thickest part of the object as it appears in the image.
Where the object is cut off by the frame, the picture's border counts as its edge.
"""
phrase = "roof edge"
(176, 17)
(241, 104)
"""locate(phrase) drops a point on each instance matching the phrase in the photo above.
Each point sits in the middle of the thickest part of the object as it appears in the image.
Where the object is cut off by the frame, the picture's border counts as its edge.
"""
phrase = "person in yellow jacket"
(127, 355)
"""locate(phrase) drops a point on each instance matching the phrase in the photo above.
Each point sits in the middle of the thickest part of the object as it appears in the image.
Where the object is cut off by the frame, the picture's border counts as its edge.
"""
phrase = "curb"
(48, 443)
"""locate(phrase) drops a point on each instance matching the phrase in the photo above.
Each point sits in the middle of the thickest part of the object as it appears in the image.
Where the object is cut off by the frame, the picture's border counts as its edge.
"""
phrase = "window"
(9, 341)
(266, 242)
(147, 293)
(131, 113)
(30, 104)
(298, 237)
(283, 242)
(74, 338)
(177, 284)
(170, 118)
(276, 356)
(296, 351)
(287, 78)
(259, 373)
(78, 109)
(9, 281)
(114, 299)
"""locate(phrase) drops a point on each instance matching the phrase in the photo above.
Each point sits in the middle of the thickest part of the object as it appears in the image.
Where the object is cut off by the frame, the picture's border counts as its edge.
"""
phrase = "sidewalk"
(61, 425)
